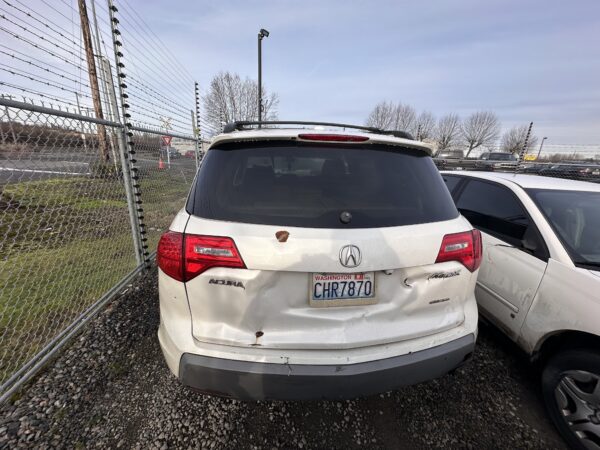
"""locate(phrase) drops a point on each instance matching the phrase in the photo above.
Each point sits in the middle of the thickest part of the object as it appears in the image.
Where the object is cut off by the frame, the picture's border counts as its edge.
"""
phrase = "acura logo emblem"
(350, 256)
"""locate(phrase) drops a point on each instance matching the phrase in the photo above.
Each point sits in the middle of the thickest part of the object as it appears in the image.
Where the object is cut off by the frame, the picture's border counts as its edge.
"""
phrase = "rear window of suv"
(313, 185)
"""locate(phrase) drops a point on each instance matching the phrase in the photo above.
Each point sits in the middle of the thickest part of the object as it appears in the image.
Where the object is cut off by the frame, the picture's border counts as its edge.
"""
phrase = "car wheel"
(571, 390)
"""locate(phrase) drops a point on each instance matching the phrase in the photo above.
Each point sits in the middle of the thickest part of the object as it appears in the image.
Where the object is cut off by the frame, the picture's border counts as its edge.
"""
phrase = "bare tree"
(513, 140)
(230, 98)
(448, 132)
(390, 116)
(480, 128)
(382, 116)
(425, 126)
(405, 118)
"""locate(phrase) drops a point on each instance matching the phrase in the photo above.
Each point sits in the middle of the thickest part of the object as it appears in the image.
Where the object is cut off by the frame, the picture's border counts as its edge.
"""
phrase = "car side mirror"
(529, 244)
(532, 244)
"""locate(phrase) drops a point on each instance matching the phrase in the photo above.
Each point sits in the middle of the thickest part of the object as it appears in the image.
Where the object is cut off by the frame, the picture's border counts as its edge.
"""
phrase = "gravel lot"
(112, 389)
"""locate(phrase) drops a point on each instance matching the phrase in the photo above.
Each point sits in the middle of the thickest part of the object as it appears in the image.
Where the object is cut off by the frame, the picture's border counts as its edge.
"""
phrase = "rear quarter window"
(308, 185)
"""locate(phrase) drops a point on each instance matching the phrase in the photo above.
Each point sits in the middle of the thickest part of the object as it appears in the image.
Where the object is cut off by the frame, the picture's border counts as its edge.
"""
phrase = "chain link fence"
(98, 148)
(67, 238)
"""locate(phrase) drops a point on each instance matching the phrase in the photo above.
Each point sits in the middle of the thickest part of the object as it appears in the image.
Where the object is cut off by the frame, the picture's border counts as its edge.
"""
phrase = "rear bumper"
(258, 381)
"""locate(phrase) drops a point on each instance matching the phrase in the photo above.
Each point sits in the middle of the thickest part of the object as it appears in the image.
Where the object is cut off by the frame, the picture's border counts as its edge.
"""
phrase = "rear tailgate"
(268, 303)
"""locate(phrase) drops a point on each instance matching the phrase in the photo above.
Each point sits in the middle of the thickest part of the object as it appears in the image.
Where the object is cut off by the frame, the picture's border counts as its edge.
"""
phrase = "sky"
(532, 60)
(528, 61)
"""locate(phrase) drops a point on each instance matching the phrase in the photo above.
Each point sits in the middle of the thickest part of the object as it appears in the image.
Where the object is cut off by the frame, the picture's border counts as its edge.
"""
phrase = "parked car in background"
(539, 282)
(190, 154)
(588, 171)
(449, 159)
(533, 167)
(496, 161)
(316, 264)
(583, 172)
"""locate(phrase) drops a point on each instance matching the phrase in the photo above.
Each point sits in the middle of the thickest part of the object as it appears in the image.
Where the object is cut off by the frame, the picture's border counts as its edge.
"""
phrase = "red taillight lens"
(204, 252)
(185, 256)
(333, 137)
(169, 254)
(462, 247)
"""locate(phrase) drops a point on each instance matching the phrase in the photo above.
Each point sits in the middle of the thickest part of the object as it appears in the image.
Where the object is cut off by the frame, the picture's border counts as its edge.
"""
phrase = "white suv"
(540, 283)
(316, 264)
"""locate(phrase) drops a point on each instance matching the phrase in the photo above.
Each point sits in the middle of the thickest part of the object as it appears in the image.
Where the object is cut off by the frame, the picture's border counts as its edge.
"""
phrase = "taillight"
(462, 247)
(185, 256)
(333, 137)
(204, 252)
(169, 254)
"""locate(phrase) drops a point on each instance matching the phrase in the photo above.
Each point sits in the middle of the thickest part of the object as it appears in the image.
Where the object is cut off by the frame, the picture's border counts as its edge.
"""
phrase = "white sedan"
(539, 283)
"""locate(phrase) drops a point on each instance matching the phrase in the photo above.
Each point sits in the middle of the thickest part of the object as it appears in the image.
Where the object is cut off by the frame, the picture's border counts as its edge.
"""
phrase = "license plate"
(342, 289)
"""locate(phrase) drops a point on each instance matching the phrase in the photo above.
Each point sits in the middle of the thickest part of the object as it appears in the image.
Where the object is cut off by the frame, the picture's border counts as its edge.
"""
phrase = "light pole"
(540, 150)
(261, 34)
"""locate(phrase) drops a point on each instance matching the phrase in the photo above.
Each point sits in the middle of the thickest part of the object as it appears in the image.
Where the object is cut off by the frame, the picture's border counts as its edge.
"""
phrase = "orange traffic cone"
(161, 164)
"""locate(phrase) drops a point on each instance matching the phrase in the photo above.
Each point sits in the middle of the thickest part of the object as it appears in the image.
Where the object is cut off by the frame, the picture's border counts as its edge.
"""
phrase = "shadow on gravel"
(111, 388)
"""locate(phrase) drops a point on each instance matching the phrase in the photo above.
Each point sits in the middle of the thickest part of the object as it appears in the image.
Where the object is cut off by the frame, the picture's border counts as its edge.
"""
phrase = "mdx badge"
(350, 256)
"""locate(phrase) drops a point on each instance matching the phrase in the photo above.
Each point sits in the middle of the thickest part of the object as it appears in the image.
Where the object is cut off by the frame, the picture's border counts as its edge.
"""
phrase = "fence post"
(127, 176)
(197, 129)
(129, 155)
(524, 149)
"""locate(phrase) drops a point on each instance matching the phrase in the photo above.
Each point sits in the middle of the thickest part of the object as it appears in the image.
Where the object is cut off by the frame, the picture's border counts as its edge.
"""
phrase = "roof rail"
(240, 125)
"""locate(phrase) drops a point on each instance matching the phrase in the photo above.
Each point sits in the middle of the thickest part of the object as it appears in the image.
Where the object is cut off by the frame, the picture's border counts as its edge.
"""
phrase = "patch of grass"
(16, 396)
(64, 242)
(117, 369)
(44, 290)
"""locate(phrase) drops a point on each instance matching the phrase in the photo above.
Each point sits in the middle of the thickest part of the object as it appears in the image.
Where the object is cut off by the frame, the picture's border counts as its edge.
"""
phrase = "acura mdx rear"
(316, 264)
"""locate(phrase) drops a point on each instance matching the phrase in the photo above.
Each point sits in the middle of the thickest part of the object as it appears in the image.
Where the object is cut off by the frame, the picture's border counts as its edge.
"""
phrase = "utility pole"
(89, 54)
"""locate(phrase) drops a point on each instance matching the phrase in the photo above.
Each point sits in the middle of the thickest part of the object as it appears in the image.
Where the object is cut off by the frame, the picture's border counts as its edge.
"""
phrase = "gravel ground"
(111, 388)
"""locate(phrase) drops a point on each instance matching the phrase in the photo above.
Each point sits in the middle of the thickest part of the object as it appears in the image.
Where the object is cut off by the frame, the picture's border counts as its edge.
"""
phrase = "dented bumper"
(247, 380)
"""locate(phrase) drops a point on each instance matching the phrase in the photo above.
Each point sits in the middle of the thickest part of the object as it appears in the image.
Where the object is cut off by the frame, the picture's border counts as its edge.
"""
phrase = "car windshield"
(295, 184)
(575, 217)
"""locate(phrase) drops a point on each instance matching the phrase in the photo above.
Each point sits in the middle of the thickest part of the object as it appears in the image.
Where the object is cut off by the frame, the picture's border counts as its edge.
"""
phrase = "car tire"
(571, 391)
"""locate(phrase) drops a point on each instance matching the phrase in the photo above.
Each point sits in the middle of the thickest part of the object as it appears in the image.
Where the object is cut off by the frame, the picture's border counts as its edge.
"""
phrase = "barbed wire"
(152, 92)
(9, 50)
(43, 38)
(46, 69)
(155, 93)
(39, 47)
(29, 14)
(44, 95)
(166, 52)
(40, 80)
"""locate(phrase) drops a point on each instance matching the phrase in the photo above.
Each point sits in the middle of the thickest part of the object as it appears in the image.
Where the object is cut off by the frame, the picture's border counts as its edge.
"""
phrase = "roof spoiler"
(245, 124)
